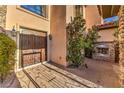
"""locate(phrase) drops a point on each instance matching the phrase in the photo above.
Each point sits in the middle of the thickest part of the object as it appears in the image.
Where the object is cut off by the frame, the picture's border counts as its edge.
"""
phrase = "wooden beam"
(112, 8)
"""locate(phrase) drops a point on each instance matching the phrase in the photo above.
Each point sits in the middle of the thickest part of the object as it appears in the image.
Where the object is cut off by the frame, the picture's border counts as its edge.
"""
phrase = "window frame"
(31, 9)
(46, 17)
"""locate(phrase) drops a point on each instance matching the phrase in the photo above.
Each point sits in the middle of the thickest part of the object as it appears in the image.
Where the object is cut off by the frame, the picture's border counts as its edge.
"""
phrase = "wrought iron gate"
(33, 49)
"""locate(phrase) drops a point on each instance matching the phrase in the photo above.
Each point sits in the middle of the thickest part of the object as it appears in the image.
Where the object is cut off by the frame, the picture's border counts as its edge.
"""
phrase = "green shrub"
(75, 43)
(90, 39)
(7, 55)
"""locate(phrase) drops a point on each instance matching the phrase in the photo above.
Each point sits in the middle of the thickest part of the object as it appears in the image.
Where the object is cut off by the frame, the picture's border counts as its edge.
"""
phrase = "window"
(37, 9)
(103, 50)
(111, 19)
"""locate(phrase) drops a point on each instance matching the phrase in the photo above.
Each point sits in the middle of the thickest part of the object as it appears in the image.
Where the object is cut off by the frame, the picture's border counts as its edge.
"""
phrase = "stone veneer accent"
(111, 52)
(3, 10)
(121, 44)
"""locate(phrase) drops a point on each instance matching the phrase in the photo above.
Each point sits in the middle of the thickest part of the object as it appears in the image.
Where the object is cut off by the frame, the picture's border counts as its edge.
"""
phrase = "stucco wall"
(17, 16)
(92, 15)
(58, 32)
(106, 35)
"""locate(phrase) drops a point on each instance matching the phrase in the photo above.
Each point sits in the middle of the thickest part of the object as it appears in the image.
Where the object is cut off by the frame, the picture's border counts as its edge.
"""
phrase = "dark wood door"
(33, 49)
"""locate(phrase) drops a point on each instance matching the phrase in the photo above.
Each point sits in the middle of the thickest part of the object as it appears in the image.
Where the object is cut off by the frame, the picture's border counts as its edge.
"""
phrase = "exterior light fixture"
(13, 32)
(50, 37)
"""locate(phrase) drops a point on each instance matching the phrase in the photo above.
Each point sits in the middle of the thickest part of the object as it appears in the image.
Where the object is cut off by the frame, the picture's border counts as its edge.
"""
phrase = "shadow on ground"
(100, 72)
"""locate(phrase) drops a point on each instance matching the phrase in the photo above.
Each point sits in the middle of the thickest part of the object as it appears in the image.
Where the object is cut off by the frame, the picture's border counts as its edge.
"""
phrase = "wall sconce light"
(50, 37)
(13, 31)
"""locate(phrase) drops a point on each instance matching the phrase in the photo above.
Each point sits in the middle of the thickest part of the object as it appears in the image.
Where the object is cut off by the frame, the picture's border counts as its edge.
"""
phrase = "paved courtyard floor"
(100, 72)
(49, 76)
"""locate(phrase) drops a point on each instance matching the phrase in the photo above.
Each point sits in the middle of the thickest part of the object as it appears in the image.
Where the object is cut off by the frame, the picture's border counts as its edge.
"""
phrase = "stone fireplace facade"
(104, 51)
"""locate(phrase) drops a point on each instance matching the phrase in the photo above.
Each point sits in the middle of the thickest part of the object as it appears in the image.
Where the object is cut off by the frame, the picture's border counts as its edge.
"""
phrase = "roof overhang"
(108, 10)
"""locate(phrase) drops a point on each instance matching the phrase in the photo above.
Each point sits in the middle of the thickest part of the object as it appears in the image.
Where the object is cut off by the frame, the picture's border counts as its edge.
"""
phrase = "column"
(121, 44)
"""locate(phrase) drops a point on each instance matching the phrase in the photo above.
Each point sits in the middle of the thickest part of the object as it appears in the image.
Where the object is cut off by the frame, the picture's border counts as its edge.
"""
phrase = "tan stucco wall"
(17, 16)
(106, 34)
(92, 15)
(58, 32)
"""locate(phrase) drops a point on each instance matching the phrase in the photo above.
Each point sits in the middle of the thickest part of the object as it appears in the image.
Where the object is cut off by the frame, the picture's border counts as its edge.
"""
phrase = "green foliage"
(116, 45)
(7, 55)
(92, 37)
(75, 43)
(116, 32)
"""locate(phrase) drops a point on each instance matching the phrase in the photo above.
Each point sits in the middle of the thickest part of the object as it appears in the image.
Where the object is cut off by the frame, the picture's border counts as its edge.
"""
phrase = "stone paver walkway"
(49, 76)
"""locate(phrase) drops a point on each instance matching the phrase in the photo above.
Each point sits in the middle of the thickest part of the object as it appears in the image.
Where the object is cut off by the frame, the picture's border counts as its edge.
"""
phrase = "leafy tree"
(7, 55)
(91, 38)
(76, 41)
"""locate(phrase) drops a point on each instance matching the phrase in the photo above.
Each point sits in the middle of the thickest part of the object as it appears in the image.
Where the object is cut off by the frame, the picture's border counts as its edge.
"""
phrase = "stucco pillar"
(121, 44)
(3, 10)
(58, 34)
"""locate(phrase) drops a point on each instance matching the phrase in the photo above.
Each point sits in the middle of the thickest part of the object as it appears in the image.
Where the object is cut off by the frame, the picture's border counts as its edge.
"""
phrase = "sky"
(111, 19)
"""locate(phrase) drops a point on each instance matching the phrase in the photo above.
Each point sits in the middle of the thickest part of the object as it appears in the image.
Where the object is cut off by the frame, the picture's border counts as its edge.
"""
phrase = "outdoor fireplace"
(104, 51)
